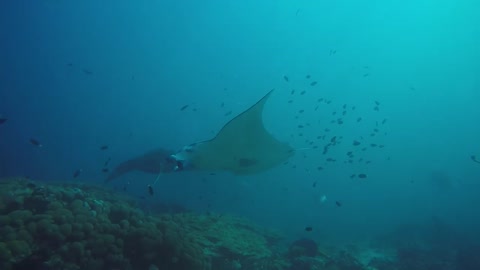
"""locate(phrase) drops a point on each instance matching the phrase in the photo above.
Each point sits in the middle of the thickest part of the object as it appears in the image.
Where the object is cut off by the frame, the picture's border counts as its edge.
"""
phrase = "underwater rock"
(71, 226)
(467, 257)
(382, 264)
(344, 260)
(38, 200)
(303, 247)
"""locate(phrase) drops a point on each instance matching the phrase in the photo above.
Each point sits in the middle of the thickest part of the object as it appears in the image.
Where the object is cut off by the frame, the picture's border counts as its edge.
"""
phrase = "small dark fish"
(333, 139)
(106, 162)
(366, 75)
(376, 108)
(320, 100)
(296, 13)
(373, 145)
(331, 160)
(339, 121)
(377, 103)
(356, 143)
(301, 111)
(285, 78)
(184, 107)
(362, 175)
(300, 126)
(290, 101)
(308, 76)
(320, 168)
(104, 147)
(87, 72)
(308, 229)
(353, 176)
(313, 83)
(35, 142)
(359, 119)
(292, 92)
(303, 92)
(339, 204)
(474, 158)
(222, 105)
(228, 113)
(314, 184)
(77, 173)
(69, 64)
(105, 170)
(384, 121)
(3, 119)
(334, 113)
(150, 190)
(332, 52)
(328, 102)
(353, 108)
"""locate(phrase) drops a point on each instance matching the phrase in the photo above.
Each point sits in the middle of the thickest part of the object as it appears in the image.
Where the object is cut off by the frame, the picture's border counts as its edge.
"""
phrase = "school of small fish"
(323, 143)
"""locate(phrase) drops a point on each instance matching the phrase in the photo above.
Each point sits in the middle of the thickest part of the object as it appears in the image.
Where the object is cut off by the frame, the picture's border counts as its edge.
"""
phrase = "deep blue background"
(419, 59)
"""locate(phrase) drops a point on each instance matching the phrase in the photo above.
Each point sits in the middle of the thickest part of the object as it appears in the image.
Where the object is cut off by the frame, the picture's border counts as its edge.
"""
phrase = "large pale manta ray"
(242, 146)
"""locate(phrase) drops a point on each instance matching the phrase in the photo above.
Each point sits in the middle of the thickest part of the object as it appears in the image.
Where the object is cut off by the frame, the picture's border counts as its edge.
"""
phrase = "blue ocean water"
(79, 75)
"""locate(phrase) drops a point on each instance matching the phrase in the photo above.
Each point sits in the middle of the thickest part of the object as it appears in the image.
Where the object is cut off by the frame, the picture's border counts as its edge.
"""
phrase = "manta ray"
(155, 162)
(242, 146)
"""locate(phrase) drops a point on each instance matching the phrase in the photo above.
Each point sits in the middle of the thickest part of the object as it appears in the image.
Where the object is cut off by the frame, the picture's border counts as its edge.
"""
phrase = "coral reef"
(74, 226)
(303, 247)
(67, 226)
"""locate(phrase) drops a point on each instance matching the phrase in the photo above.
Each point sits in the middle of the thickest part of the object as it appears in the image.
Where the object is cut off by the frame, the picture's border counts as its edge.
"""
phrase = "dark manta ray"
(155, 162)
(242, 146)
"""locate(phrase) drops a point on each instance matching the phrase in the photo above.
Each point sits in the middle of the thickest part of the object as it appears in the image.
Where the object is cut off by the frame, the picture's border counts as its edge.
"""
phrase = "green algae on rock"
(67, 226)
